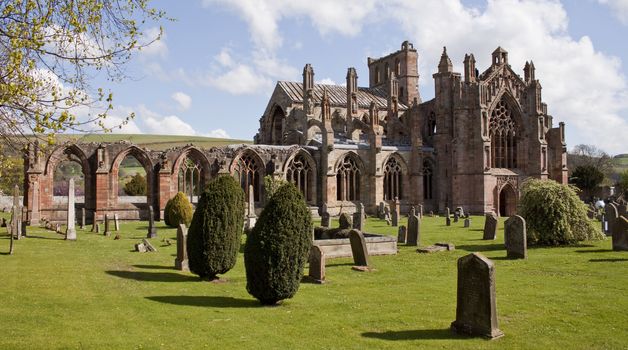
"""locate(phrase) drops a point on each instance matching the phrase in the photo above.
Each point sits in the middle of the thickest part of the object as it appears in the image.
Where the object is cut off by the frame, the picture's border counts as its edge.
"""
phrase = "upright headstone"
(181, 262)
(467, 222)
(325, 217)
(412, 211)
(515, 238)
(420, 211)
(251, 218)
(16, 225)
(611, 215)
(358, 218)
(358, 248)
(396, 212)
(83, 218)
(431, 214)
(447, 212)
(402, 234)
(476, 313)
(386, 212)
(24, 220)
(317, 264)
(94, 223)
(380, 210)
(490, 226)
(447, 221)
(107, 232)
(414, 230)
(97, 228)
(152, 230)
(456, 216)
(70, 231)
(116, 222)
(620, 235)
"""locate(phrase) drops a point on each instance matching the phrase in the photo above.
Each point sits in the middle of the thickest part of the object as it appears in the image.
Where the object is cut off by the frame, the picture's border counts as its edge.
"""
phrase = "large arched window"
(189, 179)
(348, 180)
(249, 172)
(392, 179)
(428, 188)
(65, 170)
(277, 127)
(503, 137)
(301, 174)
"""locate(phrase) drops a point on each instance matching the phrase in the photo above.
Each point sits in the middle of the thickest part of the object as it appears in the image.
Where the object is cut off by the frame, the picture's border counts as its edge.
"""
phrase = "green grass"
(97, 293)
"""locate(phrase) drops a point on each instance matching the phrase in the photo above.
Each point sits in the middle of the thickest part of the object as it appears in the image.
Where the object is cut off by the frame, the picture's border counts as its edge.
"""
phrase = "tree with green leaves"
(622, 184)
(586, 178)
(51, 52)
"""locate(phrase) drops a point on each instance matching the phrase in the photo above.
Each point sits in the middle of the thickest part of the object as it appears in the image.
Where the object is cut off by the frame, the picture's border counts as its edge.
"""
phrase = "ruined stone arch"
(395, 181)
(191, 171)
(277, 118)
(349, 169)
(314, 130)
(429, 179)
(60, 154)
(301, 170)
(248, 168)
(146, 163)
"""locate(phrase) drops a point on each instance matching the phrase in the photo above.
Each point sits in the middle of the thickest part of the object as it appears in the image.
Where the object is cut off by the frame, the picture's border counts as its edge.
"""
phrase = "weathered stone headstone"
(396, 213)
(152, 230)
(82, 218)
(414, 230)
(24, 220)
(148, 245)
(116, 222)
(620, 235)
(380, 210)
(58, 228)
(325, 217)
(3, 223)
(16, 225)
(447, 212)
(107, 232)
(317, 264)
(490, 226)
(402, 234)
(420, 211)
(140, 247)
(476, 312)
(386, 212)
(467, 222)
(447, 221)
(611, 215)
(515, 238)
(358, 218)
(431, 214)
(358, 248)
(456, 217)
(97, 228)
(181, 262)
(251, 218)
(412, 211)
(345, 221)
(70, 231)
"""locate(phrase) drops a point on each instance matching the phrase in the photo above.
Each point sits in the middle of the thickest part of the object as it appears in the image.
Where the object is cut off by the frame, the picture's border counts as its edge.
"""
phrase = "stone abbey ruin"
(470, 146)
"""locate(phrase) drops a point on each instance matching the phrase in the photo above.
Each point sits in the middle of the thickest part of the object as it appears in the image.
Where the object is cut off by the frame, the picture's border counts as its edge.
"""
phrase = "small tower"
(528, 72)
(328, 131)
(470, 75)
(500, 56)
(352, 93)
(308, 88)
(393, 95)
(445, 66)
(375, 132)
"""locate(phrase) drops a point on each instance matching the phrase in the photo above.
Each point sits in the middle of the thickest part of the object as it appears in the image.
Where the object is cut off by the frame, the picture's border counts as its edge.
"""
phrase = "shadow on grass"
(414, 334)
(481, 247)
(205, 301)
(153, 276)
(477, 229)
(594, 251)
(502, 258)
(60, 237)
(154, 267)
(340, 264)
(608, 260)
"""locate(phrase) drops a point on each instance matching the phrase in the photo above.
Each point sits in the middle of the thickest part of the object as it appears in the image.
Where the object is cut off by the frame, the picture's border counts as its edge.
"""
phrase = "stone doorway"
(507, 201)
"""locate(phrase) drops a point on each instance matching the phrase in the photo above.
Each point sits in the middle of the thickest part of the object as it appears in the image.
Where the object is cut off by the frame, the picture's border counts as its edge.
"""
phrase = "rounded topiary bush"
(178, 211)
(214, 236)
(554, 214)
(278, 246)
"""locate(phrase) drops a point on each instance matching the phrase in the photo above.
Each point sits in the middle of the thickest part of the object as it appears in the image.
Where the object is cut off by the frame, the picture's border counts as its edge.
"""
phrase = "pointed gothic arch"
(348, 177)
(395, 171)
(300, 169)
(507, 200)
(147, 164)
(505, 132)
(191, 172)
(248, 169)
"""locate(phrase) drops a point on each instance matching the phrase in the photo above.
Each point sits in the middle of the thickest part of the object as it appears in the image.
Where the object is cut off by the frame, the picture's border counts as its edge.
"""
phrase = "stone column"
(70, 232)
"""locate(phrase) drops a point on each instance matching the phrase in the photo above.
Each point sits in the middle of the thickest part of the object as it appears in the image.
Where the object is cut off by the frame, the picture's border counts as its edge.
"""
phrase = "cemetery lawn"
(97, 293)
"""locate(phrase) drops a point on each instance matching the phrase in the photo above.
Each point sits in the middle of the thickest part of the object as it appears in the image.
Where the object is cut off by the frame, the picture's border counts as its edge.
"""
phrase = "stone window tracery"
(392, 179)
(503, 133)
(190, 179)
(428, 189)
(348, 180)
(249, 172)
(301, 174)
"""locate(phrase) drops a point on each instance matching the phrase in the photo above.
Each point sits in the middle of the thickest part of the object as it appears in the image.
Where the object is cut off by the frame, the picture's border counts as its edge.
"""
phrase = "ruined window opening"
(503, 135)
(428, 192)
(348, 180)
(249, 173)
(190, 179)
(392, 180)
(301, 174)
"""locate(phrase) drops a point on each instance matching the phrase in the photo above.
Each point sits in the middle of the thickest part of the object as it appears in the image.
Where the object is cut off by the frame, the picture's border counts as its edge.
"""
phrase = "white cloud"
(619, 8)
(242, 79)
(224, 57)
(154, 47)
(327, 81)
(183, 100)
(218, 133)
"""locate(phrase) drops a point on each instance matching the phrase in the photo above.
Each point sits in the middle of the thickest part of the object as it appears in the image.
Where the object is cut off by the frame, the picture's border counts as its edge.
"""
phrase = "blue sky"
(215, 68)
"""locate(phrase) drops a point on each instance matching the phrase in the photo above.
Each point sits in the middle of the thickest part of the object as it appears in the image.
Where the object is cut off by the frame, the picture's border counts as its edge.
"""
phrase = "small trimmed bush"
(554, 214)
(214, 235)
(178, 211)
(278, 246)
(136, 186)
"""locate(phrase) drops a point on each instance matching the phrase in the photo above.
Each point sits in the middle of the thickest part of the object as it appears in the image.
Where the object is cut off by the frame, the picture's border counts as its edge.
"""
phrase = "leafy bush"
(137, 186)
(554, 214)
(277, 248)
(587, 177)
(271, 185)
(214, 236)
(178, 211)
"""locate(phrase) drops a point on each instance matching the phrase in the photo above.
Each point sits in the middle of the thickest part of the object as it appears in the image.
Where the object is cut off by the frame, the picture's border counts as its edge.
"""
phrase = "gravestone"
(16, 225)
(251, 218)
(94, 223)
(358, 248)
(456, 217)
(447, 221)
(70, 231)
(24, 220)
(402, 234)
(476, 313)
(358, 218)
(467, 222)
(181, 262)
(395, 212)
(611, 215)
(325, 218)
(97, 228)
(140, 247)
(82, 218)
(490, 226)
(317, 264)
(447, 212)
(148, 245)
(107, 232)
(414, 230)
(3, 223)
(380, 210)
(345, 221)
(386, 212)
(412, 211)
(420, 211)
(152, 230)
(116, 222)
(431, 214)
(515, 238)
(620, 235)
